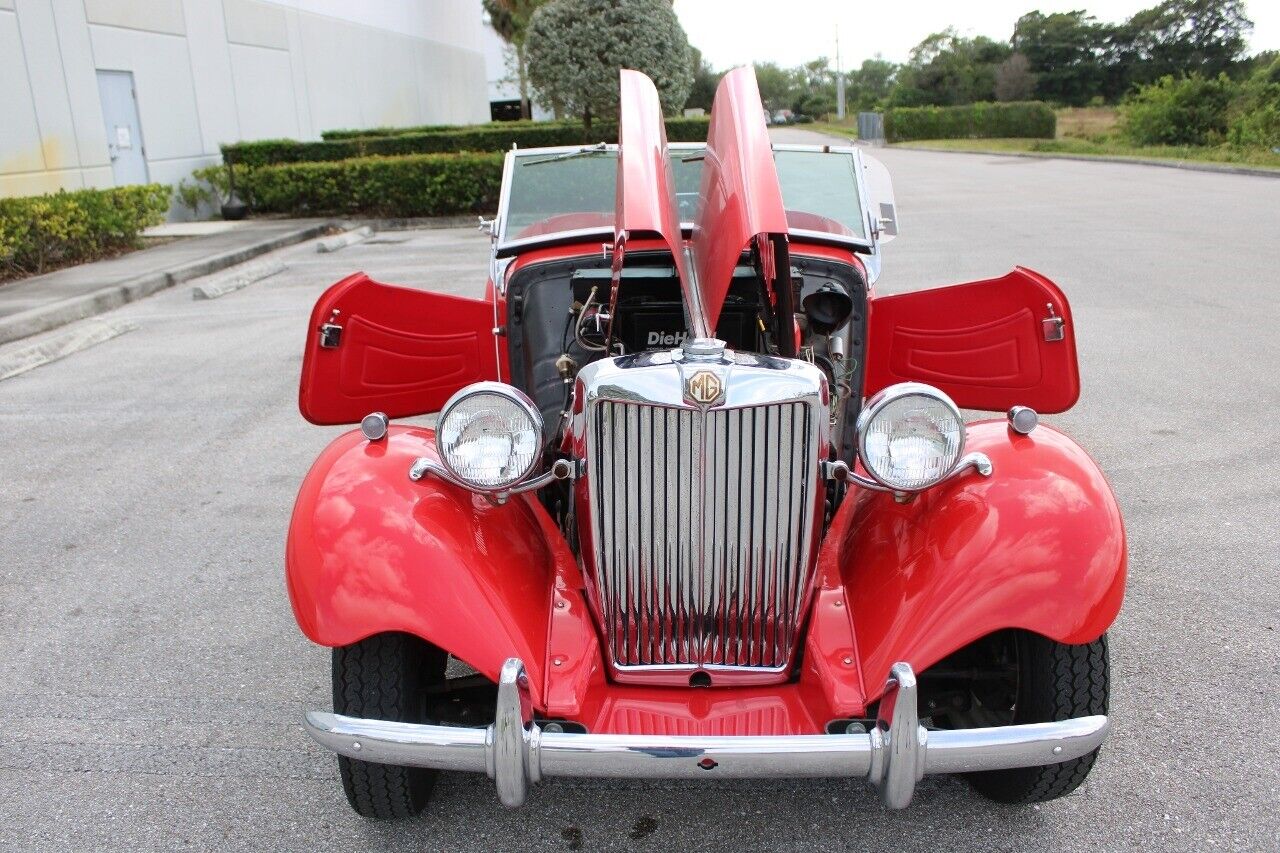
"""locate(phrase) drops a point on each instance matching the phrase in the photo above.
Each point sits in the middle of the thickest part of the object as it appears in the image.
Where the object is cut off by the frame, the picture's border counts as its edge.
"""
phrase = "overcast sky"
(789, 32)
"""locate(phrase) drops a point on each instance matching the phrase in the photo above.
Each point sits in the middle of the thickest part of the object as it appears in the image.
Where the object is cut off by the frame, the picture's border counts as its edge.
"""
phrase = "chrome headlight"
(910, 436)
(489, 436)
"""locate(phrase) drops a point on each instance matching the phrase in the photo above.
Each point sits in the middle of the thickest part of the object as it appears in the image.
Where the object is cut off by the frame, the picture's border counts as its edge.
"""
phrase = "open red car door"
(990, 345)
(378, 348)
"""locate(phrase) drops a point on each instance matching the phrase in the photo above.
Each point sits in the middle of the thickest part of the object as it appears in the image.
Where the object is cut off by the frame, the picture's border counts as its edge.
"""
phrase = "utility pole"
(839, 80)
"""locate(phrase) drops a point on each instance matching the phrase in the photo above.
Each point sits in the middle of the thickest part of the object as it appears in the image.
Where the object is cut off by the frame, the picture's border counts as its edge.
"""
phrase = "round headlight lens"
(910, 436)
(489, 435)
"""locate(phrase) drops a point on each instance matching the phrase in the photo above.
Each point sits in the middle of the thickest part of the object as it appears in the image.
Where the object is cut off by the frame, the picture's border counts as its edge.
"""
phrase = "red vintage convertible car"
(698, 503)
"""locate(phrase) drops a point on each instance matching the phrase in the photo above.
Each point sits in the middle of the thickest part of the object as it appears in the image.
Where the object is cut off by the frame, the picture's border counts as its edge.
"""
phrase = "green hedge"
(40, 232)
(499, 137)
(429, 128)
(1021, 119)
(411, 185)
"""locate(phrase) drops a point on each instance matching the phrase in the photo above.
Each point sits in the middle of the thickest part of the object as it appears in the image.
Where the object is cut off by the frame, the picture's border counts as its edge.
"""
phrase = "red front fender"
(370, 551)
(1038, 545)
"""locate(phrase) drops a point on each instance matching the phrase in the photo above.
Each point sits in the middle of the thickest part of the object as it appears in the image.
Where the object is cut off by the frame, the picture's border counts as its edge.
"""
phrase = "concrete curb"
(46, 317)
(1185, 165)
(341, 241)
(61, 345)
(231, 283)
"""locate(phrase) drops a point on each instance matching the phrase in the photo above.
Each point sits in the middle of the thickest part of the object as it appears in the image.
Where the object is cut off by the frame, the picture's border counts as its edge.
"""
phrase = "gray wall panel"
(209, 72)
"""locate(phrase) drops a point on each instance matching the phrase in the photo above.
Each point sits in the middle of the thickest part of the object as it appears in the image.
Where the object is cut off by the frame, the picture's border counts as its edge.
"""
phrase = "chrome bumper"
(515, 753)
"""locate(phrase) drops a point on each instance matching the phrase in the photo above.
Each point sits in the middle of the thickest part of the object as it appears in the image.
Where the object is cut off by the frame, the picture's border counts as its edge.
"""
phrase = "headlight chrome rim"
(511, 394)
(879, 401)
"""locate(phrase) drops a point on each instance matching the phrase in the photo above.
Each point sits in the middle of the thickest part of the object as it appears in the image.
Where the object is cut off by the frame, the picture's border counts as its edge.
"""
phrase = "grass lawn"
(1084, 131)
(849, 130)
(1093, 123)
(1048, 147)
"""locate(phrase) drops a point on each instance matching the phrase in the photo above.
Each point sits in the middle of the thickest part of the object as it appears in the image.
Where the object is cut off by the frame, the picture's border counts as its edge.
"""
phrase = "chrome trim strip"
(559, 238)
(561, 469)
(840, 471)
(517, 754)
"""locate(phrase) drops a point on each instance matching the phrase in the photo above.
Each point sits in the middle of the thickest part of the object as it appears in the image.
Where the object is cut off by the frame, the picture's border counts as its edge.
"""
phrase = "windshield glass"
(820, 191)
(552, 193)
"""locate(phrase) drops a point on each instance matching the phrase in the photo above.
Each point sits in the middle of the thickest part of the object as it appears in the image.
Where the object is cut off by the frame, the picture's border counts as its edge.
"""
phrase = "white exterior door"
(124, 131)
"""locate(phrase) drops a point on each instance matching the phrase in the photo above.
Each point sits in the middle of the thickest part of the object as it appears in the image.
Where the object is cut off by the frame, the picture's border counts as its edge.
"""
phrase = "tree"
(575, 48)
(1184, 36)
(1014, 80)
(1188, 110)
(815, 93)
(1255, 116)
(871, 83)
(1179, 37)
(1065, 51)
(778, 86)
(510, 20)
(947, 68)
(705, 81)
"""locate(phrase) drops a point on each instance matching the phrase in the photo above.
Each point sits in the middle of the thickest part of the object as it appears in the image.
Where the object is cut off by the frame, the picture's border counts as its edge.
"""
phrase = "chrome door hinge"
(330, 335)
(331, 332)
(1054, 326)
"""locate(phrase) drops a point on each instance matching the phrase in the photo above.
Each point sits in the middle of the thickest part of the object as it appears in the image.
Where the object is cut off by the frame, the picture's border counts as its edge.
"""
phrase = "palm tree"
(510, 19)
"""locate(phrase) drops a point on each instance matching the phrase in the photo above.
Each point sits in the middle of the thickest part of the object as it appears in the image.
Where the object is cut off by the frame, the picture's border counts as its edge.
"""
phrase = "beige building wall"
(207, 72)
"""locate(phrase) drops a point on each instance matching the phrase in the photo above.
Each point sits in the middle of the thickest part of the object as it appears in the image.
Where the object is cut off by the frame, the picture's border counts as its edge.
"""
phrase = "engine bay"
(651, 313)
(559, 321)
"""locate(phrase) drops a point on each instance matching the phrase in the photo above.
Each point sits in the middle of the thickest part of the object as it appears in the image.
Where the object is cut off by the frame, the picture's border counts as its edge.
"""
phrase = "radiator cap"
(702, 349)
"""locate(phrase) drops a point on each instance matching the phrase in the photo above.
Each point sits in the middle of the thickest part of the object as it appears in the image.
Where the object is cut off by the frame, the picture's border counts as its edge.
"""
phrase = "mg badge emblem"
(704, 387)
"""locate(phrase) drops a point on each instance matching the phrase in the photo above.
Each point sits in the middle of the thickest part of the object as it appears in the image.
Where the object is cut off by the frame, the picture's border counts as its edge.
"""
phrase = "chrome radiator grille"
(703, 528)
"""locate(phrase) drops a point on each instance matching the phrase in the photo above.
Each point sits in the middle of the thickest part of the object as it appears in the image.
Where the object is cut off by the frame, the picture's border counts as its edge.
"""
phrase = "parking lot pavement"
(154, 679)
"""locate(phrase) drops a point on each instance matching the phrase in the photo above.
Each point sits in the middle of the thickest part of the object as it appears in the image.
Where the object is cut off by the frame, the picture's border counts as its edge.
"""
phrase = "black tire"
(385, 677)
(1055, 682)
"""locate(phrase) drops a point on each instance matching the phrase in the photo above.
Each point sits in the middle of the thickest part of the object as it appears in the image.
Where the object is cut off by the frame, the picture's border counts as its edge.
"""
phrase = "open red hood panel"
(740, 197)
(646, 197)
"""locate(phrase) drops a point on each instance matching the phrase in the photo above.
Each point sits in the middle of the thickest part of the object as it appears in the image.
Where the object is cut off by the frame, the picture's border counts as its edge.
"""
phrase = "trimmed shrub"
(40, 232)
(429, 128)
(1019, 119)
(498, 137)
(1178, 111)
(410, 185)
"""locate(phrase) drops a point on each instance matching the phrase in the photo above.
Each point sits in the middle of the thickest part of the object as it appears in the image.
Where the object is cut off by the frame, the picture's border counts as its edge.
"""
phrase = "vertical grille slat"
(703, 532)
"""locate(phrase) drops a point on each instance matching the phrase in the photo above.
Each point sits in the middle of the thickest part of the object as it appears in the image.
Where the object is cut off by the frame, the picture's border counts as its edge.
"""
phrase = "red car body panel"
(646, 197)
(983, 343)
(1038, 545)
(369, 551)
(403, 351)
(563, 222)
(740, 199)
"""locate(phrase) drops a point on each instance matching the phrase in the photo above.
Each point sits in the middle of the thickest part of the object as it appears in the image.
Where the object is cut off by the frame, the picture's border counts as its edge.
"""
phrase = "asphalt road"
(153, 678)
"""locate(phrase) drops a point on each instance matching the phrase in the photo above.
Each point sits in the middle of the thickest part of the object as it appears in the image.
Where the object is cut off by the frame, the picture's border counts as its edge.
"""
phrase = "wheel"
(1046, 681)
(386, 677)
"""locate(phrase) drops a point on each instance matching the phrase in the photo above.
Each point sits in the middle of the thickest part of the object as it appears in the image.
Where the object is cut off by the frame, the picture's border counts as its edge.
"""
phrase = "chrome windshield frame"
(863, 245)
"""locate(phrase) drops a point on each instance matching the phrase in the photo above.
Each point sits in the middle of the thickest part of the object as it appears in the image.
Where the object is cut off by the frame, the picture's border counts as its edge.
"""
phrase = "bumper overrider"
(894, 755)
